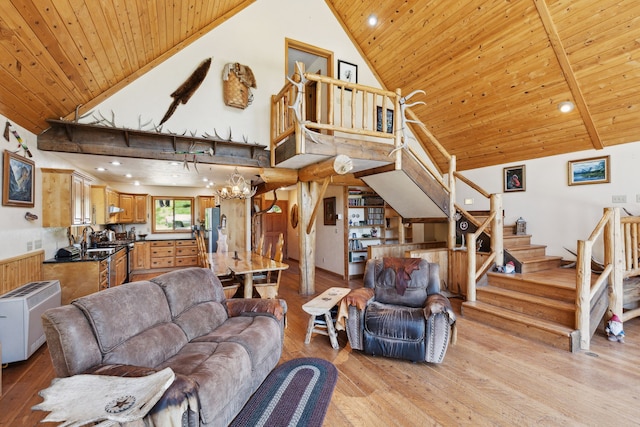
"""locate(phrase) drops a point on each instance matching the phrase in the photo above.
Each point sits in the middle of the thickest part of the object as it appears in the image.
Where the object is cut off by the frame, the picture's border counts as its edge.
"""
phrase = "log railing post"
(471, 267)
(583, 291)
(497, 229)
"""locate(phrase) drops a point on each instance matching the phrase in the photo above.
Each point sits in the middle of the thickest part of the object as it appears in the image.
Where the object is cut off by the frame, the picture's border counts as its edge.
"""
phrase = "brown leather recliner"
(400, 313)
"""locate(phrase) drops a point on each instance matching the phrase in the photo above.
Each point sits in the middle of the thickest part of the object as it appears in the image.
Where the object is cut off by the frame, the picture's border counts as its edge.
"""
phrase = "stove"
(114, 243)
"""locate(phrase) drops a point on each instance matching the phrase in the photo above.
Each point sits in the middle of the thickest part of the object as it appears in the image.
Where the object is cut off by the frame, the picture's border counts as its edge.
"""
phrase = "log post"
(312, 219)
(307, 241)
(338, 165)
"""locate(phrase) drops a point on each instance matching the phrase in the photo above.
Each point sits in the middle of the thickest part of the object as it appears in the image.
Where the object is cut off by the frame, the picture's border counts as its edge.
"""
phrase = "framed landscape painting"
(514, 179)
(18, 186)
(589, 171)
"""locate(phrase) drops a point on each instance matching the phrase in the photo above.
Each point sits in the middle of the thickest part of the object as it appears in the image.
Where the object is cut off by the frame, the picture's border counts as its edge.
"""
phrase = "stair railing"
(608, 228)
(630, 229)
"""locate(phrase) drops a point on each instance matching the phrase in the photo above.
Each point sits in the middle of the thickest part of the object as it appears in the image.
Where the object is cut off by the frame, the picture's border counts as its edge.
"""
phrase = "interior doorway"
(274, 222)
(316, 60)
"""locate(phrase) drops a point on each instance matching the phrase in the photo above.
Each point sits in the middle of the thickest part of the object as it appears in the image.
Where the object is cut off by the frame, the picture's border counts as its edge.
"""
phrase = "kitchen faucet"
(84, 243)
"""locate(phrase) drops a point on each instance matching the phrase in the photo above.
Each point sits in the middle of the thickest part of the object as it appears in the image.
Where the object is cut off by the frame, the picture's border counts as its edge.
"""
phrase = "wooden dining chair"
(229, 285)
(269, 288)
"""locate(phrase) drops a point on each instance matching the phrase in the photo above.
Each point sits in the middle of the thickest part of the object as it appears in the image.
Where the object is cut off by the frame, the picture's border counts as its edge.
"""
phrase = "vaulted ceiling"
(494, 71)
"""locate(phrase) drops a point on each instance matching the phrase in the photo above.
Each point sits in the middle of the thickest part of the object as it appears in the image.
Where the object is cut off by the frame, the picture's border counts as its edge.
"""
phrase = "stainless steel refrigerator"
(212, 227)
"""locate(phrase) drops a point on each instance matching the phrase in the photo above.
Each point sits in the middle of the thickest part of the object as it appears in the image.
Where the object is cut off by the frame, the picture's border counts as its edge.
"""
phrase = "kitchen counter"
(88, 257)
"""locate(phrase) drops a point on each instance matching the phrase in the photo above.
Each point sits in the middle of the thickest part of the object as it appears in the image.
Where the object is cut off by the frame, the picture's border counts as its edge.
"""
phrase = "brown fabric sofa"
(220, 350)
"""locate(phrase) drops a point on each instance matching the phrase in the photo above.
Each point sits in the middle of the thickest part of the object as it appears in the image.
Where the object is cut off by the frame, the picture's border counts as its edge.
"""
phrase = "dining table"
(243, 263)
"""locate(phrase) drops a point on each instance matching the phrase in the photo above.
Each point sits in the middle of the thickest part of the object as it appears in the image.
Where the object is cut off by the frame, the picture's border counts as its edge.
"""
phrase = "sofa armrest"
(438, 304)
(357, 301)
(238, 306)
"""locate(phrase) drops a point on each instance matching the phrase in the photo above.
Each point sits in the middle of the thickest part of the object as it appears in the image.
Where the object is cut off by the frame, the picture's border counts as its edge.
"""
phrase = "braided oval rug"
(296, 393)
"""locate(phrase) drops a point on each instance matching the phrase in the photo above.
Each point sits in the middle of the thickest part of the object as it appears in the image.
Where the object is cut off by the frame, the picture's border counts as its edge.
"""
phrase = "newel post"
(583, 292)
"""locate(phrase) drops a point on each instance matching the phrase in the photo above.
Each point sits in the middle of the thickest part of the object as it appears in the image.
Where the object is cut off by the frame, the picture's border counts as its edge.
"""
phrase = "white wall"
(558, 215)
(255, 37)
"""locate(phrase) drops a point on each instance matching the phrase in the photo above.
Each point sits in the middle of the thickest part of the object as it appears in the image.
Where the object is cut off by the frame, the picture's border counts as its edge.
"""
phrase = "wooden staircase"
(538, 302)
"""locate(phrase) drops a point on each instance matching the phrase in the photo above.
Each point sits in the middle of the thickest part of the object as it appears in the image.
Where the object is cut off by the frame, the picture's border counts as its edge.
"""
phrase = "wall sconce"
(566, 106)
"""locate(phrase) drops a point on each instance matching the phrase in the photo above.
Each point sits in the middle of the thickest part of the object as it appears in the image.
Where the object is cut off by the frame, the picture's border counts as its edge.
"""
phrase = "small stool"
(321, 306)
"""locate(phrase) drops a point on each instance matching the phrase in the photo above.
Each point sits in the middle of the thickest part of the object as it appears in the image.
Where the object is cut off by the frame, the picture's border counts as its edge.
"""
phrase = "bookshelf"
(368, 221)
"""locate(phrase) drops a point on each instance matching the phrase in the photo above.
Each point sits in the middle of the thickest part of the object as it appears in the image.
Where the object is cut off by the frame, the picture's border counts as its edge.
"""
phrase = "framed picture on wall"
(379, 119)
(589, 171)
(347, 72)
(514, 179)
(329, 210)
(18, 181)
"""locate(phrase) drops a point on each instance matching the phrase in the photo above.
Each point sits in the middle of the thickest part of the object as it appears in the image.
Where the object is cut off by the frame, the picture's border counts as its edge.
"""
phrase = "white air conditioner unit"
(21, 332)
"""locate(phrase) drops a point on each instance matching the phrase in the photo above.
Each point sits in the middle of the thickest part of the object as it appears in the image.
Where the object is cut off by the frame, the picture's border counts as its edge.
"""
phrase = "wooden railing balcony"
(338, 107)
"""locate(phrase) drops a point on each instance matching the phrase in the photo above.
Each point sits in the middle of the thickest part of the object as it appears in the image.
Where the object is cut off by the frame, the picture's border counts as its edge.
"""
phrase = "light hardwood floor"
(488, 378)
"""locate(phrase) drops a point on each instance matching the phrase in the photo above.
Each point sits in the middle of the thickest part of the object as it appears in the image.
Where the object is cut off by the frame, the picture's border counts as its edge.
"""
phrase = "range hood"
(113, 209)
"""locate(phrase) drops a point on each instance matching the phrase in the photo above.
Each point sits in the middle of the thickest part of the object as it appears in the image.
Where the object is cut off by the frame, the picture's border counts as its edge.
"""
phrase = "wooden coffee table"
(321, 306)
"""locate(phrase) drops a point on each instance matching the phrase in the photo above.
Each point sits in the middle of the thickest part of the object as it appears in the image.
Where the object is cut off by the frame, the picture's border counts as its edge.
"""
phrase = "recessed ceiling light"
(101, 169)
(205, 179)
(566, 106)
(174, 163)
(128, 175)
(372, 20)
(116, 163)
(136, 182)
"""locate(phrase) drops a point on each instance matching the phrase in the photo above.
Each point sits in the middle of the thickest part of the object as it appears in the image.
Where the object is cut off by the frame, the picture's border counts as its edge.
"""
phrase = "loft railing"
(337, 106)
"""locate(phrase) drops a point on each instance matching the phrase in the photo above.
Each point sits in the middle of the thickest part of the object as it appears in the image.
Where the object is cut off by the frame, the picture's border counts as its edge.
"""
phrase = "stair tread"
(557, 277)
(525, 247)
(545, 325)
(541, 258)
(536, 299)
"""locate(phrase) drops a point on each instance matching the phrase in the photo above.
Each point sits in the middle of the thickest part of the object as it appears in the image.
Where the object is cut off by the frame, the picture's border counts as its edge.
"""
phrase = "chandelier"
(236, 188)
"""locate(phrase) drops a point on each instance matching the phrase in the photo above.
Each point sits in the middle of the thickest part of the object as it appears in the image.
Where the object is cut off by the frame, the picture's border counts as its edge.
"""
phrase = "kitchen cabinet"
(120, 258)
(141, 256)
(205, 202)
(171, 253)
(103, 274)
(101, 198)
(140, 208)
(77, 279)
(162, 253)
(66, 198)
(133, 208)
(126, 206)
(186, 253)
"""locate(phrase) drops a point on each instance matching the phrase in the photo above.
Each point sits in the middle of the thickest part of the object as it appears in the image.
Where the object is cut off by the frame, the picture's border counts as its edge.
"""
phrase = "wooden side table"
(321, 306)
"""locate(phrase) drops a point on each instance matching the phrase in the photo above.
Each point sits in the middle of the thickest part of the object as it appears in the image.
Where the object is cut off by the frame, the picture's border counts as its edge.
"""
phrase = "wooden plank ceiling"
(493, 70)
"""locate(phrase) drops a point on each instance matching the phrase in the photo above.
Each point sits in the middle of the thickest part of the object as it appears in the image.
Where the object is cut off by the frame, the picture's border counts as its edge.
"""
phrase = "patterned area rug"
(296, 393)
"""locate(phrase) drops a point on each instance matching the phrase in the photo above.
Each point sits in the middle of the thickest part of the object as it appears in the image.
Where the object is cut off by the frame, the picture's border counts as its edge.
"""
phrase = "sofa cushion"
(149, 348)
(255, 333)
(201, 319)
(188, 287)
(394, 322)
(223, 374)
(119, 313)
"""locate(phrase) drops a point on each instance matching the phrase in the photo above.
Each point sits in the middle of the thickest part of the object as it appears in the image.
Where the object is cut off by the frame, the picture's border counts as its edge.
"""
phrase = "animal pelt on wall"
(188, 88)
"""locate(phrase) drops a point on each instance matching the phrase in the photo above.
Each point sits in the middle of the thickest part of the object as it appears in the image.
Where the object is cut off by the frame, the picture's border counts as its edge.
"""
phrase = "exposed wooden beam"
(567, 70)
(70, 137)
(338, 165)
(279, 175)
